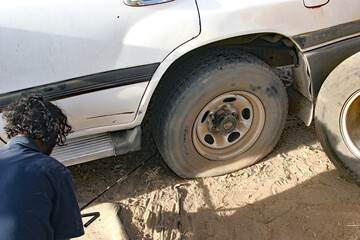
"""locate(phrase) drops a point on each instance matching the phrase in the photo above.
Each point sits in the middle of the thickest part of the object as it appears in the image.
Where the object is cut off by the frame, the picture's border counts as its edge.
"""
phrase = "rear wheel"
(220, 113)
(337, 117)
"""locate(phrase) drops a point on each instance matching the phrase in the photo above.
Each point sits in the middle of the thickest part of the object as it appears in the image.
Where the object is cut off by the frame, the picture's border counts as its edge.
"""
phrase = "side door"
(93, 57)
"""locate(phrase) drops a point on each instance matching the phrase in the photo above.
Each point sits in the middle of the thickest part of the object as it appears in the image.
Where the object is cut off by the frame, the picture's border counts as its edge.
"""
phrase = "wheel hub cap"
(223, 119)
(350, 123)
(228, 125)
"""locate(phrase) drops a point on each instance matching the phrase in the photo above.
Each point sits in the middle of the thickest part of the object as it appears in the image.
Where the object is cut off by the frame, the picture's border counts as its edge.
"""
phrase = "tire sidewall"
(340, 85)
(253, 78)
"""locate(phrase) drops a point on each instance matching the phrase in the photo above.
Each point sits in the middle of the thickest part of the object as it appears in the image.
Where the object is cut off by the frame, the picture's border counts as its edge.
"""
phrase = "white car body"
(61, 40)
(44, 43)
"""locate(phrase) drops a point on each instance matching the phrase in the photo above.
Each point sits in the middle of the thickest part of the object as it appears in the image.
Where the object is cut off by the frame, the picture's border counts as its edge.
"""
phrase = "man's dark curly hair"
(37, 119)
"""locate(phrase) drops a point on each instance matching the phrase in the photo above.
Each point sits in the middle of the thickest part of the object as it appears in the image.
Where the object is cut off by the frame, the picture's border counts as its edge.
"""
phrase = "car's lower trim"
(317, 38)
(85, 84)
(92, 147)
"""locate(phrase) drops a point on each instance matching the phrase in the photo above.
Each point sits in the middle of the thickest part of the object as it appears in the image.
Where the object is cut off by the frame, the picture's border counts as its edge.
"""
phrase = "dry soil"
(294, 193)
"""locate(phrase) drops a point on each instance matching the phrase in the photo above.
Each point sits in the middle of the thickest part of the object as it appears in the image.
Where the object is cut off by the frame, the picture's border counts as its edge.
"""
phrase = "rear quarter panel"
(223, 19)
(229, 18)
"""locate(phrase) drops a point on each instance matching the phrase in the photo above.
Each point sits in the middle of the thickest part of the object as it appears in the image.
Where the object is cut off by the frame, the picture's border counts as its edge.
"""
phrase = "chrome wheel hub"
(228, 125)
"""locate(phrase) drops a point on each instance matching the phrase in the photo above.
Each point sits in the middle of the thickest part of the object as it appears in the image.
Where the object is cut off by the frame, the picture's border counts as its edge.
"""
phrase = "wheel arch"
(274, 49)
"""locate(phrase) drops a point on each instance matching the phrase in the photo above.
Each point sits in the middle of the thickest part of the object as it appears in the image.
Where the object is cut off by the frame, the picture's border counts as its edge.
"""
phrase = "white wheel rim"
(249, 116)
(350, 123)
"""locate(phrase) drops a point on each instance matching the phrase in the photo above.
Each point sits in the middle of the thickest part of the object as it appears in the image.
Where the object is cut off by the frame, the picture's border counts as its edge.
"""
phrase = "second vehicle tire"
(337, 117)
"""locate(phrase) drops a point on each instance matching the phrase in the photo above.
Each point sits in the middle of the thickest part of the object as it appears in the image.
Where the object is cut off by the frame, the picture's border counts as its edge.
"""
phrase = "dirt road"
(294, 193)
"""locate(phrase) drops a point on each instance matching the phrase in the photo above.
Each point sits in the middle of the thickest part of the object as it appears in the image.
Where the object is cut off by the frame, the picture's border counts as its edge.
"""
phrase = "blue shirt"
(37, 199)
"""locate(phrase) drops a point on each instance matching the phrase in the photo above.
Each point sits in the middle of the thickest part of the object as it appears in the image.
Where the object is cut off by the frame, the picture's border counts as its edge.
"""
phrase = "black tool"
(97, 214)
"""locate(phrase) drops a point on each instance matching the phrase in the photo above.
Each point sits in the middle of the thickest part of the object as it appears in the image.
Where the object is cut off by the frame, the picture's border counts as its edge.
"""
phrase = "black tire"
(337, 117)
(188, 89)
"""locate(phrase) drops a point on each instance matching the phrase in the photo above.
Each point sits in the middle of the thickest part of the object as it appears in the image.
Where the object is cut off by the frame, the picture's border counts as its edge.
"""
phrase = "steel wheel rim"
(350, 123)
(230, 139)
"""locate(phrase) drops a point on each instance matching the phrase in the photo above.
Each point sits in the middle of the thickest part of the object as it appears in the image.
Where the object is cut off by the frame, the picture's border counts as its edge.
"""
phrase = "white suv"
(218, 74)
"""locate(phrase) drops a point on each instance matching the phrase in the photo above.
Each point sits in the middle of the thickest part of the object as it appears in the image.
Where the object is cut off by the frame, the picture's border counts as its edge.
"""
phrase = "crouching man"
(37, 199)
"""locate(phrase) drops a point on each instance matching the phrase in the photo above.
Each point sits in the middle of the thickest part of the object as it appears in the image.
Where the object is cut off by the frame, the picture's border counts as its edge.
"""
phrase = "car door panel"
(45, 45)
(44, 42)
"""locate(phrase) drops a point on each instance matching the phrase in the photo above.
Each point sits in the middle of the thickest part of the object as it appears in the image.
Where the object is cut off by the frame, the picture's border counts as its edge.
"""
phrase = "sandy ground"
(294, 193)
